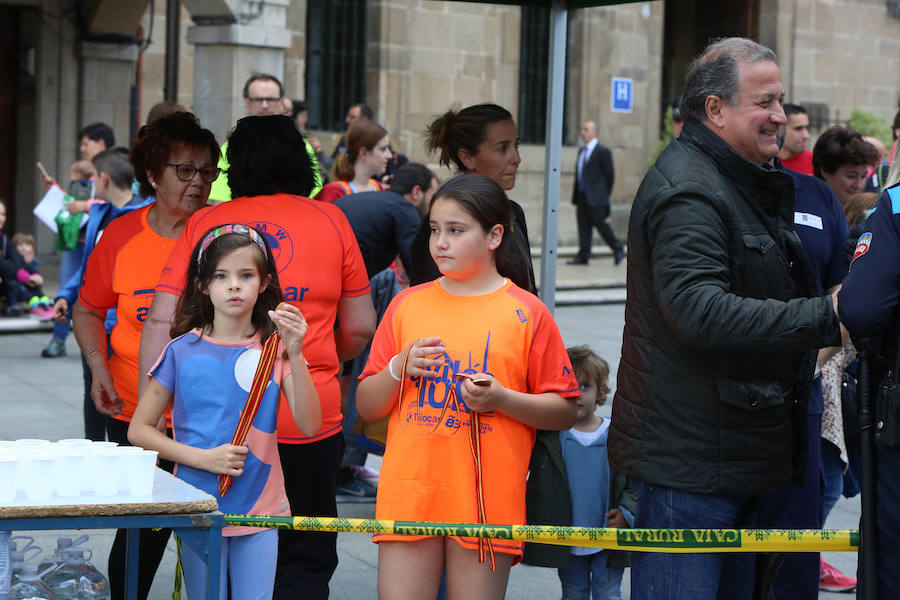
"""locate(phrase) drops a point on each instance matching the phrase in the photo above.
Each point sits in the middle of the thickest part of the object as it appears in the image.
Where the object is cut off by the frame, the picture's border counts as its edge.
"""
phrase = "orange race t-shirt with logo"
(122, 272)
(319, 263)
(428, 472)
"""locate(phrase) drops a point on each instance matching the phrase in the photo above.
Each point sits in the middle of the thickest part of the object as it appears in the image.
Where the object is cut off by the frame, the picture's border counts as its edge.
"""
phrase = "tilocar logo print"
(437, 406)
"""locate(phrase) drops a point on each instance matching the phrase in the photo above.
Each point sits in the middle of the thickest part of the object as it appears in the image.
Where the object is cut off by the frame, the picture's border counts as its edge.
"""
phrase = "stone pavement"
(43, 398)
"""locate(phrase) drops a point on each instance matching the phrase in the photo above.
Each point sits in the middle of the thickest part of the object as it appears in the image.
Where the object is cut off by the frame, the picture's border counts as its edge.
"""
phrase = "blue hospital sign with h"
(622, 95)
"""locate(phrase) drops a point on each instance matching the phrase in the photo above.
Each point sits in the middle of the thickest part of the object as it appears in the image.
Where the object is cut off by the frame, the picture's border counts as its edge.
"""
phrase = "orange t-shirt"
(319, 263)
(122, 272)
(428, 473)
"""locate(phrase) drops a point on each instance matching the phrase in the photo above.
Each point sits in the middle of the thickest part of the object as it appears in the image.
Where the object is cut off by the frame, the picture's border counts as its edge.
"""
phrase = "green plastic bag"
(67, 227)
(67, 224)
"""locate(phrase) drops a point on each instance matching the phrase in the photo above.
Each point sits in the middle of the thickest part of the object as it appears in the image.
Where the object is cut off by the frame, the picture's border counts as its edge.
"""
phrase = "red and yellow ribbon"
(474, 445)
(254, 399)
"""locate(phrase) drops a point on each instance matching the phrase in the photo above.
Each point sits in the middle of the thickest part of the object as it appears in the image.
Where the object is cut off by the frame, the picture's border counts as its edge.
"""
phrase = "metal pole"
(173, 33)
(552, 160)
(867, 457)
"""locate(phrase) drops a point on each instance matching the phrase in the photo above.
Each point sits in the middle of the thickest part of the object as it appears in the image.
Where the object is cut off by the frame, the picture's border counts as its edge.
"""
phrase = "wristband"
(92, 352)
(391, 368)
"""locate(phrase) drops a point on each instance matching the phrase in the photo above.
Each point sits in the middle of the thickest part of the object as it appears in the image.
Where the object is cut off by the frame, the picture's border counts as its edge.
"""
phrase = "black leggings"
(152, 542)
(94, 422)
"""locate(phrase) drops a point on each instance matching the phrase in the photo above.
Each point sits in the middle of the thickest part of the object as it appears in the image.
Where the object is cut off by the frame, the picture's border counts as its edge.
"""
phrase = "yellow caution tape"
(644, 540)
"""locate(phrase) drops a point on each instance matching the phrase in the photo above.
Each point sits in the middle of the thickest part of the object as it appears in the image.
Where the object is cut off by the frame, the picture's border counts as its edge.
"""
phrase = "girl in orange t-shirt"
(478, 364)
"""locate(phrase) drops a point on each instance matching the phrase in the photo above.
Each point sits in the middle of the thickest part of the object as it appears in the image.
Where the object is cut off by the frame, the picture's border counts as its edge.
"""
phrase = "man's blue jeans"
(69, 262)
(661, 576)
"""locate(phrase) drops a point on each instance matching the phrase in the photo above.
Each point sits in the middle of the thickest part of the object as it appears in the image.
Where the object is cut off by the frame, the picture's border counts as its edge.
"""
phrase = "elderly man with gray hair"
(721, 326)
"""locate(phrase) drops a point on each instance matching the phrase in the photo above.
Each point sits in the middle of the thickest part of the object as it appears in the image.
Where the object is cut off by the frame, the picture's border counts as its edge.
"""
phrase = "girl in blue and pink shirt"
(229, 309)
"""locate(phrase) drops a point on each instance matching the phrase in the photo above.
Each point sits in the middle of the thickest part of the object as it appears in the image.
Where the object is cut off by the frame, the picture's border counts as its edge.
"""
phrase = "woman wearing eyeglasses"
(174, 160)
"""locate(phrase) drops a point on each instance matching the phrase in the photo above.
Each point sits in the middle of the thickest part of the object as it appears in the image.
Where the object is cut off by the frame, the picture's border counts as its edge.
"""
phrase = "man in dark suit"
(594, 176)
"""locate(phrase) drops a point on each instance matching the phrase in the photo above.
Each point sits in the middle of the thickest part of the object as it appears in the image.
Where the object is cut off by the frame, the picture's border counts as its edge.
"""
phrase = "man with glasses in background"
(263, 94)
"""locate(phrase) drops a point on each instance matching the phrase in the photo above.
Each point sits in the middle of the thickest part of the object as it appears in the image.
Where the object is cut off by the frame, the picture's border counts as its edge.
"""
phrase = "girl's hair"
(858, 206)
(195, 308)
(839, 146)
(591, 366)
(364, 133)
(484, 199)
(157, 141)
(462, 130)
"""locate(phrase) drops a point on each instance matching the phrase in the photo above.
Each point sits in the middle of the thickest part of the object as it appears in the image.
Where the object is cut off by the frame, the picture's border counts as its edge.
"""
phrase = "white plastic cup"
(73, 474)
(107, 471)
(39, 475)
(77, 442)
(103, 445)
(125, 451)
(26, 447)
(140, 468)
(9, 468)
(31, 443)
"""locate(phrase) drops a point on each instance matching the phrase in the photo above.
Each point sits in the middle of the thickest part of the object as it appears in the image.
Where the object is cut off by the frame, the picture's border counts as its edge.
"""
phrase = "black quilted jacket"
(720, 331)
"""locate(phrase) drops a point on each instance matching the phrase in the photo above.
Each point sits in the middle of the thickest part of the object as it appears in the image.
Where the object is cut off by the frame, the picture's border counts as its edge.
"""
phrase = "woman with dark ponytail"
(367, 155)
(480, 139)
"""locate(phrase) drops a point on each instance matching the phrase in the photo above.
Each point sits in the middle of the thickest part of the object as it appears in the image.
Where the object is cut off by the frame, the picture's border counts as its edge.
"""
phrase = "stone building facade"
(420, 57)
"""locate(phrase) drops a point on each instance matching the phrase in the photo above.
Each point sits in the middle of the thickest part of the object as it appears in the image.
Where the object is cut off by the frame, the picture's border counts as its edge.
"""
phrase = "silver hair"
(715, 73)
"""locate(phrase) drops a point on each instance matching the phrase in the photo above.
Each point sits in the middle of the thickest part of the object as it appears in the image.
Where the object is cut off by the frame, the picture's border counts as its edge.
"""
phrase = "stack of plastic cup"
(26, 448)
(39, 473)
(108, 471)
(73, 473)
(9, 467)
(73, 476)
(140, 468)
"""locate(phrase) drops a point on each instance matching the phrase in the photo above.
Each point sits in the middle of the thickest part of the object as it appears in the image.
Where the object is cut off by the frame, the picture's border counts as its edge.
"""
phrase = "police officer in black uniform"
(869, 306)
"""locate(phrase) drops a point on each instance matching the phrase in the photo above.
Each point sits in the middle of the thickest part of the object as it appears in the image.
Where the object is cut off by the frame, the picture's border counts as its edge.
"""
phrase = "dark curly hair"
(839, 146)
(462, 130)
(484, 199)
(195, 310)
(586, 363)
(267, 155)
(156, 142)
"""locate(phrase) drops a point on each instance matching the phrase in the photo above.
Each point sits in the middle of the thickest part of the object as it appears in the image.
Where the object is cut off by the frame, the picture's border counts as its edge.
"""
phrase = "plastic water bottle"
(58, 556)
(17, 559)
(5, 566)
(77, 578)
(31, 584)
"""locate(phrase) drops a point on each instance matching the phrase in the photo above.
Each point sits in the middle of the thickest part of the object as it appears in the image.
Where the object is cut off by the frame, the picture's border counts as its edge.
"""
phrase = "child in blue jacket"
(570, 483)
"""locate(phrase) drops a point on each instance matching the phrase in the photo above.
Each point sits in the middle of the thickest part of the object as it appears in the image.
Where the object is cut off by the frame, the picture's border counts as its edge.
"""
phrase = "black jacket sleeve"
(691, 270)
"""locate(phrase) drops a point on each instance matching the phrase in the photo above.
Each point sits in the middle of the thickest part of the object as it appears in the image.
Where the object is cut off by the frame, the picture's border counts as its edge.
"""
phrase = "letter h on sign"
(621, 97)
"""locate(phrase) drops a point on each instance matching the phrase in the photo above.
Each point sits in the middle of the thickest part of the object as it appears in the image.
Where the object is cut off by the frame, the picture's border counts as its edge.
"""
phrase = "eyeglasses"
(261, 100)
(186, 172)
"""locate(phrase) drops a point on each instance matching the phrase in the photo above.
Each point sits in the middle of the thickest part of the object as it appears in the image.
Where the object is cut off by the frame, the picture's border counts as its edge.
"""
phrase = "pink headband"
(237, 229)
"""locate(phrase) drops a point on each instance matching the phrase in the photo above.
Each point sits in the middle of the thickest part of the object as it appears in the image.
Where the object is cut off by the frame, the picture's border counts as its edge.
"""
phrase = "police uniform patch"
(862, 246)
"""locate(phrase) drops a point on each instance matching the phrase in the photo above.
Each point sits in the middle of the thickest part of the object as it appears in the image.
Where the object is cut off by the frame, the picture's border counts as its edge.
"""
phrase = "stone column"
(241, 38)
(104, 86)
